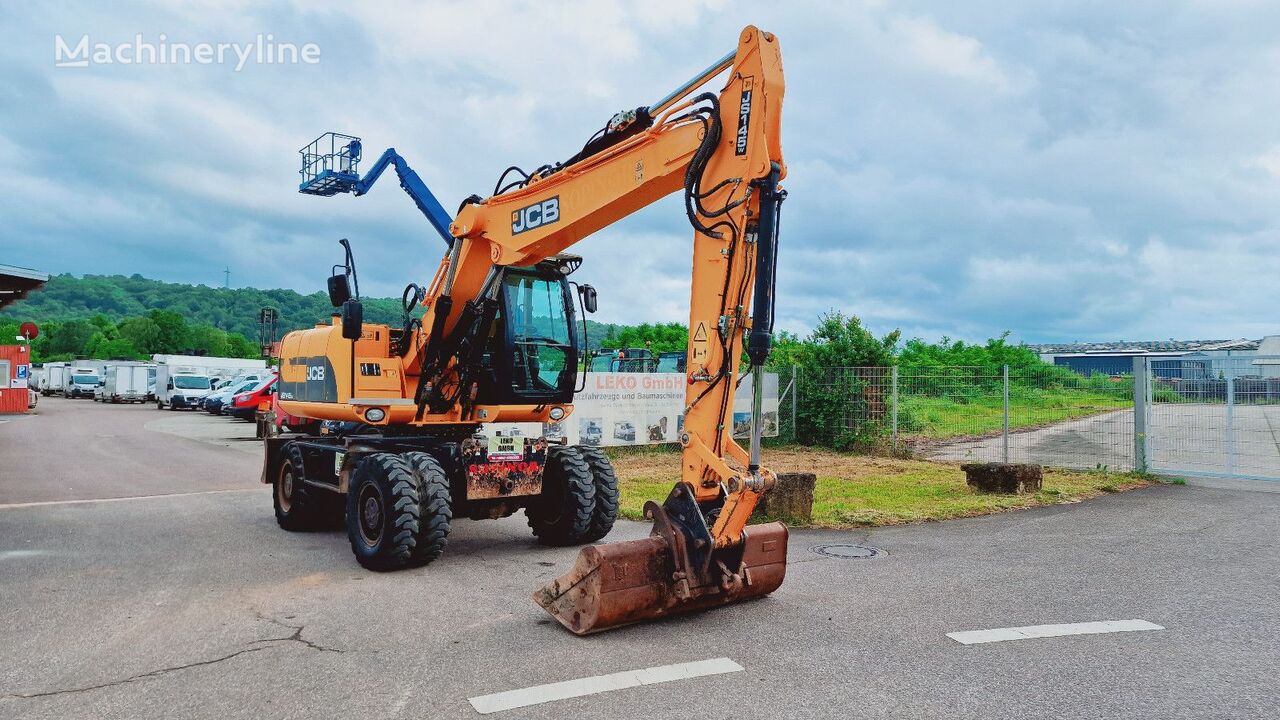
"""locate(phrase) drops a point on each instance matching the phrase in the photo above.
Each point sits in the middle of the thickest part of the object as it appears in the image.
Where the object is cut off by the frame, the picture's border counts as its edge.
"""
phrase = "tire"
(294, 502)
(383, 512)
(607, 500)
(435, 511)
(563, 513)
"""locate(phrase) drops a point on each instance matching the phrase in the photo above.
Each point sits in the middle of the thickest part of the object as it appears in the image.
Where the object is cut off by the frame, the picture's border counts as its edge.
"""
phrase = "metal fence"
(1215, 417)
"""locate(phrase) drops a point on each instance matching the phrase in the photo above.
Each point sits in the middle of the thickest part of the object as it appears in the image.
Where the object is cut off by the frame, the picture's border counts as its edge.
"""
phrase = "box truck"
(54, 378)
(125, 382)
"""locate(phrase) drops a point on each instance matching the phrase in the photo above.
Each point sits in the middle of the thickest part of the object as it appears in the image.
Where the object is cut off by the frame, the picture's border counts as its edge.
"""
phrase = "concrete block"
(1008, 478)
(791, 499)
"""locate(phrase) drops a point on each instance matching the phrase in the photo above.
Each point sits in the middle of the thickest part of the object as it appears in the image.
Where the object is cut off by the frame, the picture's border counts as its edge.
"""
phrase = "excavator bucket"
(639, 580)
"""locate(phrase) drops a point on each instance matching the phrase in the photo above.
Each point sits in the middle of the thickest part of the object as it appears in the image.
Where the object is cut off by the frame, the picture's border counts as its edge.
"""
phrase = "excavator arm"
(723, 150)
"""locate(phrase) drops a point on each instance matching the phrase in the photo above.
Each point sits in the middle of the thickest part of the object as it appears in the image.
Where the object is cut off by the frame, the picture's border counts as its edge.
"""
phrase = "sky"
(1064, 171)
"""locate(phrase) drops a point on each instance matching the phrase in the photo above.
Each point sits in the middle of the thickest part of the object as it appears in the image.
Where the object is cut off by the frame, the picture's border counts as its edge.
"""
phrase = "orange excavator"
(461, 410)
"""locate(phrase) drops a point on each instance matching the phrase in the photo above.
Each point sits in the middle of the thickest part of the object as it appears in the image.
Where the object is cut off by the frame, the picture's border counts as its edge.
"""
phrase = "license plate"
(338, 457)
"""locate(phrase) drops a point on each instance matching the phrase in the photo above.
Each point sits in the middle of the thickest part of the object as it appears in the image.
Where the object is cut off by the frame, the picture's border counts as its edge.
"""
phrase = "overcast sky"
(1062, 170)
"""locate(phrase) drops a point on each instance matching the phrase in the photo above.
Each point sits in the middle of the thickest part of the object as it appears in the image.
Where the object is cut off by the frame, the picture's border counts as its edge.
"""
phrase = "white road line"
(974, 637)
(538, 694)
(43, 503)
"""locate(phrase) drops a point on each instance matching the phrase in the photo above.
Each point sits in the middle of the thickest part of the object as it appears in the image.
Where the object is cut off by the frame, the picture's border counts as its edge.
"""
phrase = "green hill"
(67, 297)
(233, 310)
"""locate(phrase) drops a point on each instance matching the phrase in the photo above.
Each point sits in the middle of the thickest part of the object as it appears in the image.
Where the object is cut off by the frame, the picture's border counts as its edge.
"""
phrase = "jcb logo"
(315, 372)
(536, 215)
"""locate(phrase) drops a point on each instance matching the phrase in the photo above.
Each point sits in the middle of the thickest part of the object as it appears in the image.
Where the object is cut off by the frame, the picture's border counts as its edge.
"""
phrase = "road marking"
(974, 637)
(538, 694)
(43, 503)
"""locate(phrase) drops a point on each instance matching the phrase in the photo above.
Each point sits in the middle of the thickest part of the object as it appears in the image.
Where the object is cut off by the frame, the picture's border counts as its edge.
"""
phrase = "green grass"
(945, 417)
(860, 491)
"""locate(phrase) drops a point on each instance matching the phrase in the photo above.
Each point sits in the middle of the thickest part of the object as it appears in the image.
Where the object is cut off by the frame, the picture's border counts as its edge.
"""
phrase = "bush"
(831, 398)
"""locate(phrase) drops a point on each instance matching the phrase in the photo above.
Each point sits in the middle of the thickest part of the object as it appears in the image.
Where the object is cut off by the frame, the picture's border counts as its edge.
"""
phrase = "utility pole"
(226, 280)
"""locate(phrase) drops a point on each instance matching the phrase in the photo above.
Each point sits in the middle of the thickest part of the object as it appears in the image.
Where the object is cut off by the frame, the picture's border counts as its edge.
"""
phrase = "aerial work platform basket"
(330, 165)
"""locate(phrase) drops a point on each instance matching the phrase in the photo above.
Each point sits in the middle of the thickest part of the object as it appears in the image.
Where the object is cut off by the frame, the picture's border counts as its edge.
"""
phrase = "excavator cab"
(532, 351)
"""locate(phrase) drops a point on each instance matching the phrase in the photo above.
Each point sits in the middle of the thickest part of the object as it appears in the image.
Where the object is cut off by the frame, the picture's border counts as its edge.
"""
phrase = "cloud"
(1063, 171)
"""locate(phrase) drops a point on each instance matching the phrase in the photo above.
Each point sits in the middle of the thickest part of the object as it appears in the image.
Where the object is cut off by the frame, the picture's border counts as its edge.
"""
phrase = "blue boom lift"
(330, 165)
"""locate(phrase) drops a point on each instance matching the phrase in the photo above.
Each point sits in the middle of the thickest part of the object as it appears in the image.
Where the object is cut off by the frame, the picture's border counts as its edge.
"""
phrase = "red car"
(244, 404)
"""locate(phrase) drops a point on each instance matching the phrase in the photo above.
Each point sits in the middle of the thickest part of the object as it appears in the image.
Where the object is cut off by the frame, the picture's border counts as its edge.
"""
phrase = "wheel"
(295, 503)
(606, 482)
(159, 405)
(434, 506)
(563, 513)
(383, 512)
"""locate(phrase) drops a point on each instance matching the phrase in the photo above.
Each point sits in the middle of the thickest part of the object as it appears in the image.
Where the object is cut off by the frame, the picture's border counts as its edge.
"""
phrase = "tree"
(100, 348)
(172, 332)
(69, 338)
(240, 347)
(658, 337)
(141, 332)
(206, 340)
(832, 392)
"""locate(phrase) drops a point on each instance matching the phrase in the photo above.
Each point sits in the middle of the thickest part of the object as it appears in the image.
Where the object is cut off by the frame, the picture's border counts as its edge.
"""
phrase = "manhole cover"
(846, 552)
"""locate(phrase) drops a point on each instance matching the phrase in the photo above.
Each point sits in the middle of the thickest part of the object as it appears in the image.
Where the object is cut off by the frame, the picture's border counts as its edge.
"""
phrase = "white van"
(81, 383)
(180, 387)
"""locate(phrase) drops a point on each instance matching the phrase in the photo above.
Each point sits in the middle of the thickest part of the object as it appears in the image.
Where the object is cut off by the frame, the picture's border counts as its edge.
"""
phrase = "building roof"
(1126, 352)
(16, 282)
(1144, 345)
(1269, 349)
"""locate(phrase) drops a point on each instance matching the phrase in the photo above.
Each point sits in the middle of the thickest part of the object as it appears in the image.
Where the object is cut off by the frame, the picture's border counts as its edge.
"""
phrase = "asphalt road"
(197, 605)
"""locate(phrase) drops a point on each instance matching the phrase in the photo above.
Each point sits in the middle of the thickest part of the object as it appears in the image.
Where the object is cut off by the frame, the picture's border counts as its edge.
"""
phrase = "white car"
(33, 397)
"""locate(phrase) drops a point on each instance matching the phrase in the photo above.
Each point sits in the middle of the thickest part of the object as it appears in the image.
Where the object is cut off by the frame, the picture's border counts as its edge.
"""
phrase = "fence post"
(1140, 379)
(1005, 434)
(893, 374)
(795, 390)
(1231, 431)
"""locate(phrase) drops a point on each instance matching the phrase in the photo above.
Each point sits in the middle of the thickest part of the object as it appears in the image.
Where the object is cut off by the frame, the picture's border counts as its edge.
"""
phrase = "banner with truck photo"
(648, 408)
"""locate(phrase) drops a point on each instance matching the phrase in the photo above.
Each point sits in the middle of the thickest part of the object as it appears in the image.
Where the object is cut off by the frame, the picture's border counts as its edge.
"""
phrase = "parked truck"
(180, 386)
(125, 382)
(55, 378)
(216, 368)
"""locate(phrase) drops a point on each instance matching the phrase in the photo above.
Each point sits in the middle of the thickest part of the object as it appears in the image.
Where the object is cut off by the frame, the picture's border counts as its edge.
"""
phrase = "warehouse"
(1120, 362)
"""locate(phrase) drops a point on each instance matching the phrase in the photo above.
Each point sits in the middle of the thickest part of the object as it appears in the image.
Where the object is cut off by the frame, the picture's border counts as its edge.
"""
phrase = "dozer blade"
(628, 582)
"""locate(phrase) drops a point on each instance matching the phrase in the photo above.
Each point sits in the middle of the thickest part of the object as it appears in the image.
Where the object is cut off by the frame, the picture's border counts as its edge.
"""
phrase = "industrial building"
(1184, 359)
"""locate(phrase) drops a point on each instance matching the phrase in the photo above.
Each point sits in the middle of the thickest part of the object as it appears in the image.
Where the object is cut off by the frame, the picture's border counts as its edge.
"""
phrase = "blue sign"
(22, 372)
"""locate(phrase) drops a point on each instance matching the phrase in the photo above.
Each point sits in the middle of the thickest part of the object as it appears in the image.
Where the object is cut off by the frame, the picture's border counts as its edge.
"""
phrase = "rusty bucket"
(623, 583)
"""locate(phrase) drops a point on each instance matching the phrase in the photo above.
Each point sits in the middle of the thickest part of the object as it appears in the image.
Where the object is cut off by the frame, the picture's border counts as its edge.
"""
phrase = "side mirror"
(352, 319)
(170, 385)
(589, 298)
(339, 290)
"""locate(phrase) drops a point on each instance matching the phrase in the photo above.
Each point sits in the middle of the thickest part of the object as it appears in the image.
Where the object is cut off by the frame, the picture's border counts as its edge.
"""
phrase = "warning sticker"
(700, 343)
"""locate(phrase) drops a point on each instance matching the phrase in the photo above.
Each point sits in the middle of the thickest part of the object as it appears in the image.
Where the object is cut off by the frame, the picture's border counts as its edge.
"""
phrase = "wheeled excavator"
(453, 413)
